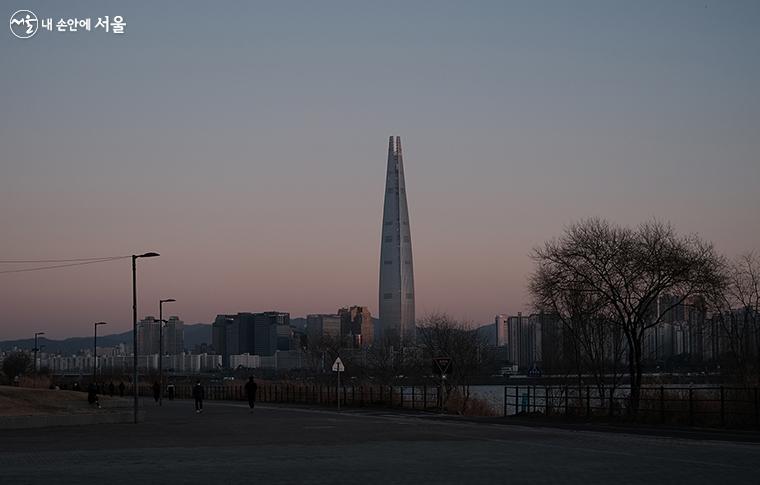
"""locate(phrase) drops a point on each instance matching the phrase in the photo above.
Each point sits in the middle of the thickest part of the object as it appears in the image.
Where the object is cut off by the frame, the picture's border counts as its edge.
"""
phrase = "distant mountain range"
(195, 334)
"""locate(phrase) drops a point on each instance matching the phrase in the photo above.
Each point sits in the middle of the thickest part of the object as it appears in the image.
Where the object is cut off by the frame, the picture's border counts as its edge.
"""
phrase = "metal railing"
(709, 406)
(406, 397)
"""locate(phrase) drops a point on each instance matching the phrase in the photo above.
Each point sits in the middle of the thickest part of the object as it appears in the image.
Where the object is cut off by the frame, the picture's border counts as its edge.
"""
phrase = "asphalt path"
(228, 444)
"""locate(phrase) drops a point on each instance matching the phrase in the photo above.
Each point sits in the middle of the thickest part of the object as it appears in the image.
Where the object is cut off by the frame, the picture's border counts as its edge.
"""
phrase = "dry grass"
(20, 401)
(474, 407)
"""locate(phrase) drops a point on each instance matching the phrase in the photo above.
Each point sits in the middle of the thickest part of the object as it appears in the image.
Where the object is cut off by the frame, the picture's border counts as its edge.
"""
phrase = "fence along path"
(712, 406)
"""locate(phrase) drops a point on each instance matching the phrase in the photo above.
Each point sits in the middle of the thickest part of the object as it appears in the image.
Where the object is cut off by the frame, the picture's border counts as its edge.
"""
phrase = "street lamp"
(161, 347)
(95, 350)
(135, 257)
(36, 349)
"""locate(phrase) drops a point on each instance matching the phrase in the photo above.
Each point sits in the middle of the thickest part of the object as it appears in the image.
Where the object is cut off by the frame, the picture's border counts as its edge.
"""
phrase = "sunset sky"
(246, 142)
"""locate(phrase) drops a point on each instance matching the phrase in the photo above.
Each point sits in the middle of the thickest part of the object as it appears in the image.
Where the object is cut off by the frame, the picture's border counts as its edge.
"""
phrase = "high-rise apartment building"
(323, 326)
(253, 333)
(502, 337)
(357, 326)
(174, 336)
(269, 328)
(524, 340)
(147, 336)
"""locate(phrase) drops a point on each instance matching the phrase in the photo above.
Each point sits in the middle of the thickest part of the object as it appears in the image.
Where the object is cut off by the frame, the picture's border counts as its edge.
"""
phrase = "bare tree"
(735, 308)
(597, 344)
(442, 336)
(385, 361)
(320, 352)
(630, 270)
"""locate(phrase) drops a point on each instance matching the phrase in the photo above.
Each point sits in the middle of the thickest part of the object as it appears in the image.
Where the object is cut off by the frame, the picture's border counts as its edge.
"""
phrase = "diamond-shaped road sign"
(338, 366)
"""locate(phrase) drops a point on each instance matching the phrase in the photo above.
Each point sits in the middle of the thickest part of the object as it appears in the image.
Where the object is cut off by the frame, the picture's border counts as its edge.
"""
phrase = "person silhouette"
(198, 395)
(250, 391)
(92, 394)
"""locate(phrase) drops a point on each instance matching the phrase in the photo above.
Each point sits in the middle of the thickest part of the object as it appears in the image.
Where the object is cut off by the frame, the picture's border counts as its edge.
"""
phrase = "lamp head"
(148, 255)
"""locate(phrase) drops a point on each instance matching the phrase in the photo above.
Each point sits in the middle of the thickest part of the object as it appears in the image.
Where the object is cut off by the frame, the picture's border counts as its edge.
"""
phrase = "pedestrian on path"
(170, 391)
(121, 389)
(92, 394)
(198, 395)
(250, 391)
(156, 391)
(111, 389)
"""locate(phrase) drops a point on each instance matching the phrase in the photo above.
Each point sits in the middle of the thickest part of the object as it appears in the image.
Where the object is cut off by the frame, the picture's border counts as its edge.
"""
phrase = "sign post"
(442, 366)
(338, 367)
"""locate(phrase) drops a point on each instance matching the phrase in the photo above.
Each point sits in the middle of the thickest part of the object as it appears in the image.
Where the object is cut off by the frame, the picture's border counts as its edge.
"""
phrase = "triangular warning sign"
(338, 366)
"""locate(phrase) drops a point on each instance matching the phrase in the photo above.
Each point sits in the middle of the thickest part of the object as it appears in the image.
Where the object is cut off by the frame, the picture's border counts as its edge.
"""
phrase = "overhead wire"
(19, 261)
(79, 263)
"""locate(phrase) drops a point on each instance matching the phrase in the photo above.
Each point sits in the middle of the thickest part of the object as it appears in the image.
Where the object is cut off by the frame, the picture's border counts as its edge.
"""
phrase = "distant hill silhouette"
(194, 334)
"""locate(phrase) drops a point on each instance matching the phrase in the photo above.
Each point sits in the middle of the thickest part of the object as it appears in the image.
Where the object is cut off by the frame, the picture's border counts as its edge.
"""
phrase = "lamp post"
(161, 347)
(36, 349)
(135, 257)
(95, 350)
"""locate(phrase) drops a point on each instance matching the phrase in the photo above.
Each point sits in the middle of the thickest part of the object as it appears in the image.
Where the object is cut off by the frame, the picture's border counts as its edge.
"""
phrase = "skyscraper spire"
(396, 295)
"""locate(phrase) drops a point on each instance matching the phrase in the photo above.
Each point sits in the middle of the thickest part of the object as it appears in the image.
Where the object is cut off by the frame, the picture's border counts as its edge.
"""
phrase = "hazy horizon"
(247, 144)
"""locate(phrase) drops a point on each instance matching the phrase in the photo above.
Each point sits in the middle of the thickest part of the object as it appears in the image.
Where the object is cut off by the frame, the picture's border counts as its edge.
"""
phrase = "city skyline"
(248, 152)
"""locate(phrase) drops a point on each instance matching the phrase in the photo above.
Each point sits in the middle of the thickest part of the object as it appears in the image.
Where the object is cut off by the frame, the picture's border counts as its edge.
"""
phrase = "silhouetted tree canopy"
(16, 364)
(622, 274)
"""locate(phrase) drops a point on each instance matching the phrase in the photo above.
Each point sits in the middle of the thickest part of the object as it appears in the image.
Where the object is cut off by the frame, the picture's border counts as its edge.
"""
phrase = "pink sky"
(252, 156)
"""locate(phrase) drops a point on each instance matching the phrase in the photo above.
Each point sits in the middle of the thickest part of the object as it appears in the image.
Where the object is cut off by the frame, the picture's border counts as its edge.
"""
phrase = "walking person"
(111, 389)
(250, 391)
(121, 389)
(198, 395)
(170, 391)
(92, 395)
(156, 391)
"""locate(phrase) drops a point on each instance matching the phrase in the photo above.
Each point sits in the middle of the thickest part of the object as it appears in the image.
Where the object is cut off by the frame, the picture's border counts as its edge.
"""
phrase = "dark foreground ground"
(226, 444)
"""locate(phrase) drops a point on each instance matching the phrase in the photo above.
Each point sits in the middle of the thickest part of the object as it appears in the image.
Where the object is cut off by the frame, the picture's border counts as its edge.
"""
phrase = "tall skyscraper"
(396, 293)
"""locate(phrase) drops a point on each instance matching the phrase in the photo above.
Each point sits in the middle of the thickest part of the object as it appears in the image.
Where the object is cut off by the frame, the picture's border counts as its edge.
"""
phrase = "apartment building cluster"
(684, 335)
(268, 340)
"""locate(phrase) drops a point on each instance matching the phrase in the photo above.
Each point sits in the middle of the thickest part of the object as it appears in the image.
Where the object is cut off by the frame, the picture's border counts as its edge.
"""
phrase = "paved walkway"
(290, 445)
